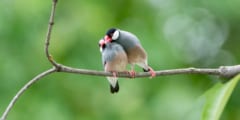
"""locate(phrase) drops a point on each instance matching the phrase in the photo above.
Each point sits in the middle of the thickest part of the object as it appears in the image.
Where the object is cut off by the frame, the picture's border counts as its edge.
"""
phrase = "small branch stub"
(229, 71)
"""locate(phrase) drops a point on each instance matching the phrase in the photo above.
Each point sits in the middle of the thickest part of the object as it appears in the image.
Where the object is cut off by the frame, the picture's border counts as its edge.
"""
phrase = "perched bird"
(114, 60)
(132, 46)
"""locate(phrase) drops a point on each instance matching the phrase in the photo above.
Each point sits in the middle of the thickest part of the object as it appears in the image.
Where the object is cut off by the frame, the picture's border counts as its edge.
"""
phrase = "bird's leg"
(152, 72)
(114, 73)
(147, 68)
(132, 73)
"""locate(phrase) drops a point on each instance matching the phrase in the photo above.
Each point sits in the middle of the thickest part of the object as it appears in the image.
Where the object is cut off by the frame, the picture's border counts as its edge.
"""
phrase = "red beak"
(101, 42)
(107, 39)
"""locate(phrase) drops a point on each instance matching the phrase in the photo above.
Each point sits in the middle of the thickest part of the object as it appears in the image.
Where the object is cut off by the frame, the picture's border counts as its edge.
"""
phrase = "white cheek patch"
(101, 49)
(115, 35)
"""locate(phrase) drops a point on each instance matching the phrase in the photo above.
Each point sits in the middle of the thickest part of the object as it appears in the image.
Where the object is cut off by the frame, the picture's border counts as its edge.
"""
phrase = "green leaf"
(211, 104)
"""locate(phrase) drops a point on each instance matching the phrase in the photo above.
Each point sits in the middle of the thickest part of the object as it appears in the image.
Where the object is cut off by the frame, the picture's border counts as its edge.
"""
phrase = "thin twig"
(47, 41)
(223, 71)
(23, 89)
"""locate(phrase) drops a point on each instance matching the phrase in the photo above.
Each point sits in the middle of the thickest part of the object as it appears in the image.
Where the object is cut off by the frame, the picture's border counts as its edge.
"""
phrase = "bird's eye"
(103, 46)
(115, 35)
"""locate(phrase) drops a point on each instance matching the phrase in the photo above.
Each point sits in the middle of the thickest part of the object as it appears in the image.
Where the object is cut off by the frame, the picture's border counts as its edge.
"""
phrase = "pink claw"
(152, 72)
(132, 73)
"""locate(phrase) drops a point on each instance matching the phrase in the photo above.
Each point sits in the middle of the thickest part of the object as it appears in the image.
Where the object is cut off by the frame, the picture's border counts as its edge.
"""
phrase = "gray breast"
(111, 51)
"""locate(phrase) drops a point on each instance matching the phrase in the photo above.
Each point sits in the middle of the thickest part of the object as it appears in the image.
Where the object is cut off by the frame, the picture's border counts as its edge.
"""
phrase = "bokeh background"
(176, 34)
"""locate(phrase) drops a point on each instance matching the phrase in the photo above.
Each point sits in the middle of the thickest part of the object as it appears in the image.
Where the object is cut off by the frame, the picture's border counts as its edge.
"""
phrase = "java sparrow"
(131, 44)
(114, 60)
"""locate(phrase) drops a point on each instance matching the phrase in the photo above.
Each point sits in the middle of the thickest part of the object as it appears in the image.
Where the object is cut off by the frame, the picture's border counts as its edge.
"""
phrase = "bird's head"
(101, 44)
(111, 35)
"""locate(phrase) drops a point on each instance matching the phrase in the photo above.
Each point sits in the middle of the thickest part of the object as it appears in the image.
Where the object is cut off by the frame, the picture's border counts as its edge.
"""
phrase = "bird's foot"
(114, 74)
(132, 73)
(152, 72)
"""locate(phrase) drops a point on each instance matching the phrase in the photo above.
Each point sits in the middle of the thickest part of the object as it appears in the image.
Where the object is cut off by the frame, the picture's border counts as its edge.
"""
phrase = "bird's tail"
(114, 87)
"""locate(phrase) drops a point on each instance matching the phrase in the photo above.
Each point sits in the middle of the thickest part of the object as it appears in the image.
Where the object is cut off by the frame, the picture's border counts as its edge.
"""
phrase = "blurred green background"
(175, 34)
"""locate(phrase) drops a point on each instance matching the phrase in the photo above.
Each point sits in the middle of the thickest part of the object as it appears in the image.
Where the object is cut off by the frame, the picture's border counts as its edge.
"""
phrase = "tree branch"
(24, 88)
(223, 71)
(47, 41)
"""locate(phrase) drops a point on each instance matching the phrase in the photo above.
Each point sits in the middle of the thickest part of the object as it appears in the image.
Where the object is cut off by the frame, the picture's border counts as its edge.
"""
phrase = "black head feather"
(110, 32)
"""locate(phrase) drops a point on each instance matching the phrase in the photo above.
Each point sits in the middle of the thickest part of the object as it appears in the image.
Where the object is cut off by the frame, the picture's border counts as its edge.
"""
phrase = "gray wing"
(128, 40)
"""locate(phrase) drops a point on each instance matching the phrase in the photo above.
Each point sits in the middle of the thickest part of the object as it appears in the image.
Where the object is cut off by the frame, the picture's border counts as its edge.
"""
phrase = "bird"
(135, 52)
(114, 59)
